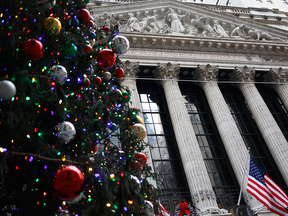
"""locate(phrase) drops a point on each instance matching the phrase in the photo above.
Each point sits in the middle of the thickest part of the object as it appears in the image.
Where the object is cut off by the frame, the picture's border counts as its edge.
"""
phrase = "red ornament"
(141, 157)
(85, 82)
(119, 73)
(33, 49)
(94, 149)
(106, 58)
(84, 15)
(98, 80)
(106, 29)
(88, 49)
(136, 165)
(91, 23)
(68, 183)
(66, 16)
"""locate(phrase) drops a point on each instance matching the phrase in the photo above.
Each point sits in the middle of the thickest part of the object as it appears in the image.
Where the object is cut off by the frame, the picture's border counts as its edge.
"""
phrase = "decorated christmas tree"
(70, 144)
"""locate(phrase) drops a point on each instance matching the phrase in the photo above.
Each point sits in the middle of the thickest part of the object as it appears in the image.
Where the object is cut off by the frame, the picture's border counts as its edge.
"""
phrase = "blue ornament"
(75, 23)
(113, 127)
(92, 35)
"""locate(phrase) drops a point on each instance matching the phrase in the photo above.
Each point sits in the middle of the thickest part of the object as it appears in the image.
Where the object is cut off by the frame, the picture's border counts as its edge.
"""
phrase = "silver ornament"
(7, 89)
(107, 75)
(65, 131)
(120, 44)
(58, 73)
(136, 181)
(148, 208)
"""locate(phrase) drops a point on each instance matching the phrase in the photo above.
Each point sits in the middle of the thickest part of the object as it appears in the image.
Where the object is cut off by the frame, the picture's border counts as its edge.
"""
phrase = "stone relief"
(273, 59)
(172, 22)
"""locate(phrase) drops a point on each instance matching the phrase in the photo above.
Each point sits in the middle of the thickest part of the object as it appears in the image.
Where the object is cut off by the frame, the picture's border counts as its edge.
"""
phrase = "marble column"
(193, 163)
(228, 130)
(267, 125)
(280, 78)
(129, 80)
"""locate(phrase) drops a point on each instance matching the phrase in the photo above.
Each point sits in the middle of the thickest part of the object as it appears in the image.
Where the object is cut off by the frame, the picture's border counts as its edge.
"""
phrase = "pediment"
(179, 19)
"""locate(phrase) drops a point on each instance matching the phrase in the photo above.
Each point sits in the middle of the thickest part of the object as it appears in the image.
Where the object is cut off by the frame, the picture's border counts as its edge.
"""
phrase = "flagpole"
(243, 177)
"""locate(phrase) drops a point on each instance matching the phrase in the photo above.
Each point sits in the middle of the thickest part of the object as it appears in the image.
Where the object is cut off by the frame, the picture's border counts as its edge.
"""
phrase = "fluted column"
(267, 125)
(228, 130)
(129, 80)
(193, 163)
(280, 78)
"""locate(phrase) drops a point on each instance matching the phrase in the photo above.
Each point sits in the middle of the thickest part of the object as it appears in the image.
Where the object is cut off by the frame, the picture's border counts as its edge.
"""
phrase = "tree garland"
(184, 209)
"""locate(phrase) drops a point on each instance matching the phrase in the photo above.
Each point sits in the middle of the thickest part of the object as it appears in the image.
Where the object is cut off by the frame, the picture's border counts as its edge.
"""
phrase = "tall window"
(250, 133)
(276, 107)
(217, 164)
(163, 147)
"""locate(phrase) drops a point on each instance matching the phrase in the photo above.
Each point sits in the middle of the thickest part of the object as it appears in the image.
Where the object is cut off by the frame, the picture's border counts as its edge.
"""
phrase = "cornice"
(172, 42)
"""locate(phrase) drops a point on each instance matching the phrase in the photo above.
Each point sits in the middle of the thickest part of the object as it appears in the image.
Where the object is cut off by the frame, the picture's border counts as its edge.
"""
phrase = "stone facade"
(212, 41)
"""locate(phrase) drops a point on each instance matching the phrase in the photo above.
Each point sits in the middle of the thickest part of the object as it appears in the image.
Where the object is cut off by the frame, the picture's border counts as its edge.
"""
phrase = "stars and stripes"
(264, 189)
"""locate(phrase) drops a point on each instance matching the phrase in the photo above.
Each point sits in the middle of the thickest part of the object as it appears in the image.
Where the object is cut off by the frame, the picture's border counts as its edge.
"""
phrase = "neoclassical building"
(211, 82)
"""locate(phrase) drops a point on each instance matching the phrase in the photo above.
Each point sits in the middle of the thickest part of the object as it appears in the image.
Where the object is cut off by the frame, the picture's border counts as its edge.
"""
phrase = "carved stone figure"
(202, 26)
(174, 20)
(133, 23)
(111, 21)
(193, 31)
(239, 32)
(150, 24)
(165, 29)
(259, 35)
(219, 29)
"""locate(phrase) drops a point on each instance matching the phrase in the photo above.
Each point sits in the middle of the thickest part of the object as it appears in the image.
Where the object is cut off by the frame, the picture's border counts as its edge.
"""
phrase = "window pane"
(145, 107)
(155, 153)
(156, 118)
(147, 118)
(143, 98)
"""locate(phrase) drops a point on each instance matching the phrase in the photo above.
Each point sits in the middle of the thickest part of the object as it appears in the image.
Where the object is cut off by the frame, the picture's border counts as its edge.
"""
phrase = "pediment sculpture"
(186, 24)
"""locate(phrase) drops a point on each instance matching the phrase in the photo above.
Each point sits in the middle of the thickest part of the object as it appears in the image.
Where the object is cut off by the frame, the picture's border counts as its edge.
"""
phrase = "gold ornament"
(139, 120)
(52, 25)
(118, 90)
(139, 131)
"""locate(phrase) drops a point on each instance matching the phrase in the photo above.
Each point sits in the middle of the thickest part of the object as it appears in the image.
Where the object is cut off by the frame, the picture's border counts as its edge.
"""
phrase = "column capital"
(206, 73)
(276, 75)
(167, 71)
(131, 69)
(243, 75)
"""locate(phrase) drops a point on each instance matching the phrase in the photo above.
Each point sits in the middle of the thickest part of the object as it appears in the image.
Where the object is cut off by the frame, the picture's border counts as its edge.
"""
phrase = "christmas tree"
(70, 144)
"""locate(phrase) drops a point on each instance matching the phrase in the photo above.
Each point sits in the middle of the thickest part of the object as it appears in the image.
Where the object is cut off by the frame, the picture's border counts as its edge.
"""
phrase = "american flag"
(264, 189)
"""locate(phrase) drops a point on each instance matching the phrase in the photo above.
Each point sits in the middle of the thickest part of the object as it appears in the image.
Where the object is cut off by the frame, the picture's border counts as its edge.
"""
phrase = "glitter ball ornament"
(7, 89)
(120, 44)
(98, 80)
(68, 183)
(65, 131)
(126, 96)
(139, 131)
(107, 75)
(119, 73)
(33, 49)
(92, 24)
(141, 157)
(59, 73)
(88, 49)
(106, 58)
(84, 15)
(148, 208)
(92, 35)
(85, 82)
(52, 26)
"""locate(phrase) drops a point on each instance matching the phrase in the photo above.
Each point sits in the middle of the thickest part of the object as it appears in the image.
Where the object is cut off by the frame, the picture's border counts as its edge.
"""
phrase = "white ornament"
(120, 44)
(107, 75)
(149, 208)
(136, 180)
(7, 89)
(65, 131)
(59, 73)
